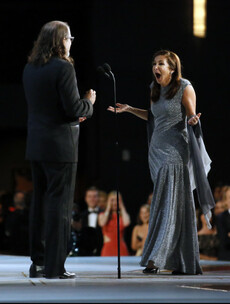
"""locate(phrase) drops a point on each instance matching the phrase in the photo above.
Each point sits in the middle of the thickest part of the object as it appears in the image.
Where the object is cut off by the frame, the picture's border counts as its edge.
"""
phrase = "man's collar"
(96, 209)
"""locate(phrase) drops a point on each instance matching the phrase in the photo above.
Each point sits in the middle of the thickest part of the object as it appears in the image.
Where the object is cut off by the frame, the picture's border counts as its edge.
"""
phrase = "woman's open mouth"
(158, 75)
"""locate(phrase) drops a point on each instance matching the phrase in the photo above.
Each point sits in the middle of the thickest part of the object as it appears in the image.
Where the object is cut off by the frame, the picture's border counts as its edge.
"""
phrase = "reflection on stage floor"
(97, 282)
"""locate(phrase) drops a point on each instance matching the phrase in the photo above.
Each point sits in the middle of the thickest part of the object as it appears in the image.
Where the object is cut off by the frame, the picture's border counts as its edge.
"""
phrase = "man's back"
(54, 107)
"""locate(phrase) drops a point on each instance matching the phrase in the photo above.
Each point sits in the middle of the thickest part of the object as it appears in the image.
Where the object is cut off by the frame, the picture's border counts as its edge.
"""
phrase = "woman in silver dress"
(172, 241)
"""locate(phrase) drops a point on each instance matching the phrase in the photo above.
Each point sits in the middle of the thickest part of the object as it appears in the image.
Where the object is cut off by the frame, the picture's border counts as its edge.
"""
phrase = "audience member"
(208, 240)
(17, 226)
(73, 248)
(219, 208)
(140, 231)
(225, 195)
(217, 192)
(108, 221)
(223, 230)
(222, 205)
(91, 239)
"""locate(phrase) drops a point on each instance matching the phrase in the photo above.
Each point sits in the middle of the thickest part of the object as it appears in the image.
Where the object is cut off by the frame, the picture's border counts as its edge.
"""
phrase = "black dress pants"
(50, 214)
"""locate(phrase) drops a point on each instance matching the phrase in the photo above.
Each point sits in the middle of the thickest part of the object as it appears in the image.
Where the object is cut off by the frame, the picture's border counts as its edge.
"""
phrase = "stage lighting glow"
(199, 18)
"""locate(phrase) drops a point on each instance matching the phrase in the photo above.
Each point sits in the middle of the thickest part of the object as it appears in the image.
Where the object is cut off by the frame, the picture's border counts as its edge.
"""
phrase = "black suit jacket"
(91, 237)
(84, 218)
(54, 106)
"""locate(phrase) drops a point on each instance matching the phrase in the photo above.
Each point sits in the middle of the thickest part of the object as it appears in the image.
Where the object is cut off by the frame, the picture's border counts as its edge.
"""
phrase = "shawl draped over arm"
(199, 166)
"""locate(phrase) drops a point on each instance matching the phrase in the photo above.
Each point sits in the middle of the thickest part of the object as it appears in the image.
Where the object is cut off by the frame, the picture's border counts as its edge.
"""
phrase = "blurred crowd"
(94, 225)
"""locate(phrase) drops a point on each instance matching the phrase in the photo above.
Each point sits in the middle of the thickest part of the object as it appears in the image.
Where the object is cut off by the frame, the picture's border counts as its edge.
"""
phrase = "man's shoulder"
(54, 63)
(60, 63)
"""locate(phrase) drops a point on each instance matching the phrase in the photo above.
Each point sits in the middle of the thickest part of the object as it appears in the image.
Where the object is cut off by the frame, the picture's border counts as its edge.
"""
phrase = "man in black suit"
(91, 238)
(54, 112)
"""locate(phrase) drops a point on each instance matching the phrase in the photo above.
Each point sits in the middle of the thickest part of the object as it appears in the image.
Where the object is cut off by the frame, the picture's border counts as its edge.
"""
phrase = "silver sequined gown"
(172, 241)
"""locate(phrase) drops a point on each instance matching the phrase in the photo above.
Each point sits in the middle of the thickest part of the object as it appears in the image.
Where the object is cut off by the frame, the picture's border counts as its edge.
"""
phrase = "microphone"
(101, 70)
(108, 69)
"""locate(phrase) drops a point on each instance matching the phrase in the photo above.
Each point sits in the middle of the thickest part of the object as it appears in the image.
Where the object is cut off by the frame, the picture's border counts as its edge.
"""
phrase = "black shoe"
(68, 275)
(64, 275)
(36, 271)
(151, 270)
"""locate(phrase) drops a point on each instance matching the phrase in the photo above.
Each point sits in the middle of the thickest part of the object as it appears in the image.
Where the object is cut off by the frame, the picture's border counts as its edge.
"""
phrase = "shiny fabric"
(172, 241)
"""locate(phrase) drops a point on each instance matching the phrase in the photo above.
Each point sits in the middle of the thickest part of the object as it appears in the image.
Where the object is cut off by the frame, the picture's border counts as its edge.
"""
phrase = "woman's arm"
(143, 114)
(189, 102)
(125, 217)
(124, 214)
(104, 217)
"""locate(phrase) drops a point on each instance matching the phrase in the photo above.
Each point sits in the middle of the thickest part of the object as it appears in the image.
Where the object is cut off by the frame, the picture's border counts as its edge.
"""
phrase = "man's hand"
(91, 95)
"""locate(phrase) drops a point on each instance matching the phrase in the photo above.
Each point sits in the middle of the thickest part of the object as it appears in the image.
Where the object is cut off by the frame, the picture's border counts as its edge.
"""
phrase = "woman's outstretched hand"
(194, 119)
(120, 108)
(81, 119)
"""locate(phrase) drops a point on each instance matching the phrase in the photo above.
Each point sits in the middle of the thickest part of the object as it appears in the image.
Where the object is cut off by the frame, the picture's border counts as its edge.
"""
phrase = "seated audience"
(208, 240)
(140, 231)
(223, 230)
(108, 221)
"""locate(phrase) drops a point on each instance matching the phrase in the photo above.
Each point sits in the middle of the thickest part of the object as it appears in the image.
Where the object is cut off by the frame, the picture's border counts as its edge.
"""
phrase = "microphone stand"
(106, 70)
(117, 177)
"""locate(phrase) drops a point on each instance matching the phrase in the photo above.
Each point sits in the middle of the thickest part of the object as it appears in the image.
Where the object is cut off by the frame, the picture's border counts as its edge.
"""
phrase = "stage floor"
(97, 282)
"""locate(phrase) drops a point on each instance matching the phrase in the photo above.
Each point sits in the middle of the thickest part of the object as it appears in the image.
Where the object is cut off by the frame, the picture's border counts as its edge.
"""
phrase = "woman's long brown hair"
(50, 43)
(174, 63)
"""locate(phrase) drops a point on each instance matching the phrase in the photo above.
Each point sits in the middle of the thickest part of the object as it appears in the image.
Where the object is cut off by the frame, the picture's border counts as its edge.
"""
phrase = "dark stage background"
(124, 34)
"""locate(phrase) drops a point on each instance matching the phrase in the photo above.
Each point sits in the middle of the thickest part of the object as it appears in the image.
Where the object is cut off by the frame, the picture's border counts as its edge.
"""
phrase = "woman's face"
(114, 202)
(161, 70)
(67, 42)
(144, 215)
